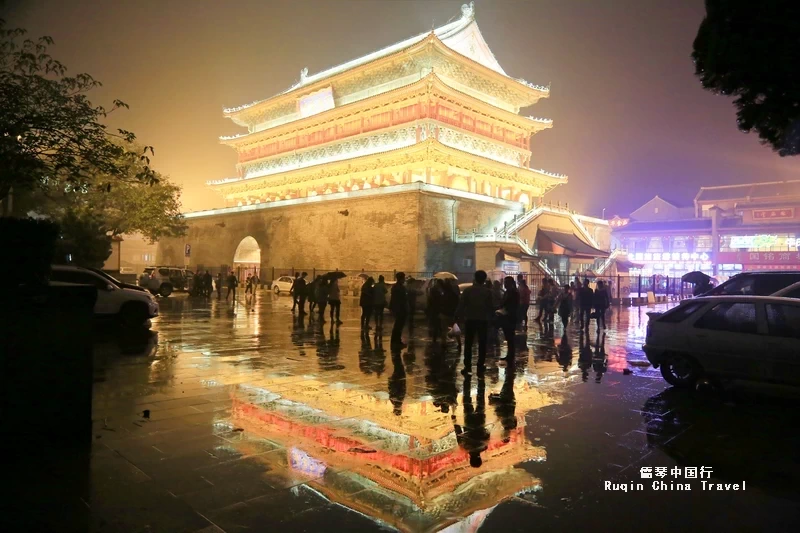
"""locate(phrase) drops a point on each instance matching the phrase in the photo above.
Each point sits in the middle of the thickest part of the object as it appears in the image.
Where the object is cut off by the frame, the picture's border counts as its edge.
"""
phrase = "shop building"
(728, 229)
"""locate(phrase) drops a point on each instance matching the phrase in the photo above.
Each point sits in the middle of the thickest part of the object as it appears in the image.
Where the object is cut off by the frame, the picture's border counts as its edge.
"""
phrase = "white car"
(133, 308)
(792, 291)
(282, 285)
(163, 280)
(735, 337)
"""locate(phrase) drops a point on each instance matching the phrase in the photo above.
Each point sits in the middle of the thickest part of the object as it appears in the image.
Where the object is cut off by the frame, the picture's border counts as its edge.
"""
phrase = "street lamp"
(604, 214)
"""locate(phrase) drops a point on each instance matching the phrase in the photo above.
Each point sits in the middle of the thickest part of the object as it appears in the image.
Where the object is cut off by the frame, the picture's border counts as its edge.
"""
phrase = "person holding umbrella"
(335, 295)
(700, 280)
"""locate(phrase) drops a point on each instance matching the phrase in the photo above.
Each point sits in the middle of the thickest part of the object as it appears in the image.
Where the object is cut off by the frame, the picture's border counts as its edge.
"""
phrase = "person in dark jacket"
(565, 306)
(232, 284)
(300, 293)
(509, 308)
(220, 285)
(399, 307)
(365, 301)
(322, 298)
(379, 301)
(208, 281)
(311, 290)
(475, 308)
(601, 304)
(294, 292)
(586, 299)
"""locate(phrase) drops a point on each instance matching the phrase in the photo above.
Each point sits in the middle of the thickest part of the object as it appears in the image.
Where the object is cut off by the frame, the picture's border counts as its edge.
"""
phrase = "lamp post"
(604, 214)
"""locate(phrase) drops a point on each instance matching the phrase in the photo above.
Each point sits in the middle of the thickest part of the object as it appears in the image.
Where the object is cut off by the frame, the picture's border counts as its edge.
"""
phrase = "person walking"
(524, 300)
(220, 284)
(475, 307)
(541, 299)
(208, 281)
(248, 286)
(586, 300)
(551, 301)
(379, 301)
(565, 307)
(311, 290)
(365, 301)
(601, 304)
(322, 298)
(232, 284)
(293, 292)
(335, 301)
(507, 313)
(399, 308)
(452, 297)
(300, 292)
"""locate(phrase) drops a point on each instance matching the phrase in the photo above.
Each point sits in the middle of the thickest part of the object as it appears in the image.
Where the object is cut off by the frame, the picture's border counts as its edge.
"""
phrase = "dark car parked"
(755, 283)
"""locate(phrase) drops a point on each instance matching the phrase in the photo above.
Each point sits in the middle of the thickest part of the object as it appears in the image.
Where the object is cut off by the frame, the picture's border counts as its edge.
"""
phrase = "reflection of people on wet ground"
(335, 300)
(379, 301)
(369, 361)
(322, 298)
(365, 301)
(507, 314)
(584, 355)
(298, 330)
(397, 383)
(600, 361)
(565, 353)
(232, 284)
(399, 308)
(505, 403)
(441, 377)
(328, 349)
(475, 308)
(473, 437)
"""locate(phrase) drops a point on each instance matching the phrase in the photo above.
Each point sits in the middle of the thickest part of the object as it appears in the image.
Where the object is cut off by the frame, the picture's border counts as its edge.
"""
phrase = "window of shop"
(703, 244)
(780, 242)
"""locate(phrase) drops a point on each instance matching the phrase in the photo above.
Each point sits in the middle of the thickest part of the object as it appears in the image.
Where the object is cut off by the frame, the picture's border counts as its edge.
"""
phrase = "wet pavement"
(243, 418)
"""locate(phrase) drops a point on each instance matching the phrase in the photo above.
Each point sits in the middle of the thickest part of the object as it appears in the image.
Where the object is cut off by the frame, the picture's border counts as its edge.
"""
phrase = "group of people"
(321, 293)
(574, 300)
(203, 284)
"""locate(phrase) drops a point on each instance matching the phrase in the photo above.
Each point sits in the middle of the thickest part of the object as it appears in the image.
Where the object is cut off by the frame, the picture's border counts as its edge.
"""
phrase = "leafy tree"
(751, 51)
(82, 240)
(51, 135)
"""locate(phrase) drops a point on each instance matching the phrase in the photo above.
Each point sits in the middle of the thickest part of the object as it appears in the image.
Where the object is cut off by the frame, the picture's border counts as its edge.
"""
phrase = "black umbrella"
(335, 275)
(696, 278)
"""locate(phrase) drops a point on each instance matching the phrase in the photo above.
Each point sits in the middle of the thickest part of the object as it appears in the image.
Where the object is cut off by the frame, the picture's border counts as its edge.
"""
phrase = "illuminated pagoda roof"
(460, 39)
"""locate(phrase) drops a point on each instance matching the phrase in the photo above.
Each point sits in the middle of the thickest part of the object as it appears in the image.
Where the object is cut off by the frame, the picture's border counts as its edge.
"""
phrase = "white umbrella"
(445, 275)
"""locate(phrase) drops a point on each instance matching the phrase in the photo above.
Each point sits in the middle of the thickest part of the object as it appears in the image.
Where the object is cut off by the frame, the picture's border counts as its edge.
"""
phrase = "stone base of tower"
(410, 227)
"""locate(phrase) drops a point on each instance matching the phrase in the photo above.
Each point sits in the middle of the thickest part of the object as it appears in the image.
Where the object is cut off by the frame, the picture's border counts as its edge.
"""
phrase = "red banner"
(782, 213)
(762, 259)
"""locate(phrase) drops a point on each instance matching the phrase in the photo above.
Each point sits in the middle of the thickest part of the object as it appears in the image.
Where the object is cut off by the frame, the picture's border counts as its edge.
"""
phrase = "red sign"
(781, 213)
(762, 259)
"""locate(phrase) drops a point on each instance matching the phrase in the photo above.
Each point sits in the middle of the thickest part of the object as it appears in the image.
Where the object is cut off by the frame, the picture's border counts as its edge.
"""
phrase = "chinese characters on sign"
(690, 472)
(782, 213)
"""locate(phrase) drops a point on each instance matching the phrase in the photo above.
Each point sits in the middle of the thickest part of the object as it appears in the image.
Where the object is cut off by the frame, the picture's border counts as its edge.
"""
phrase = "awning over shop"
(560, 243)
(504, 255)
(623, 265)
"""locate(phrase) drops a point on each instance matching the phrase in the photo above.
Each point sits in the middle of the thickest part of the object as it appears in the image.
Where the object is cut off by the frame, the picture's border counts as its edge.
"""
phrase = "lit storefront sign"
(674, 256)
(783, 213)
(762, 260)
(747, 242)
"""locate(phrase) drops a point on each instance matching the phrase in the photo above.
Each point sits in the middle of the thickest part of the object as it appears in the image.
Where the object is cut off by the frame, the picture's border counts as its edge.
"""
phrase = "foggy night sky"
(630, 118)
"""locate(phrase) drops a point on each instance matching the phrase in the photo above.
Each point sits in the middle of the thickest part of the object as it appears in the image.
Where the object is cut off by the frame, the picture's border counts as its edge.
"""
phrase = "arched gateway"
(247, 258)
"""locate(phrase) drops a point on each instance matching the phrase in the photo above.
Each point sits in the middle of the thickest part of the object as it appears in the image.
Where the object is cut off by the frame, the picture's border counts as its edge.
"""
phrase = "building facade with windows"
(729, 229)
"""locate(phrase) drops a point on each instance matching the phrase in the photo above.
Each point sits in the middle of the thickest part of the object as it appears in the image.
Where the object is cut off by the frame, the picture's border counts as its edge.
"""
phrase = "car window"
(793, 293)
(736, 287)
(76, 276)
(783, 320)
(677, 314)
(767, 285)
(738, 317)
(163, 271)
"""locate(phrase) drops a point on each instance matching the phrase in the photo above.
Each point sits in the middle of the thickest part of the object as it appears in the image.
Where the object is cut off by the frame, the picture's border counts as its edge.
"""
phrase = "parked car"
(736, 337)
(132, 308)
(282, 285)
(755, 283)
(115, 281)
(163, 280)
(792, 291)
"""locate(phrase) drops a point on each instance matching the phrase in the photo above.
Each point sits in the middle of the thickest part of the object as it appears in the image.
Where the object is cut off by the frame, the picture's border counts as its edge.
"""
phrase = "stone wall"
(409, 230)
